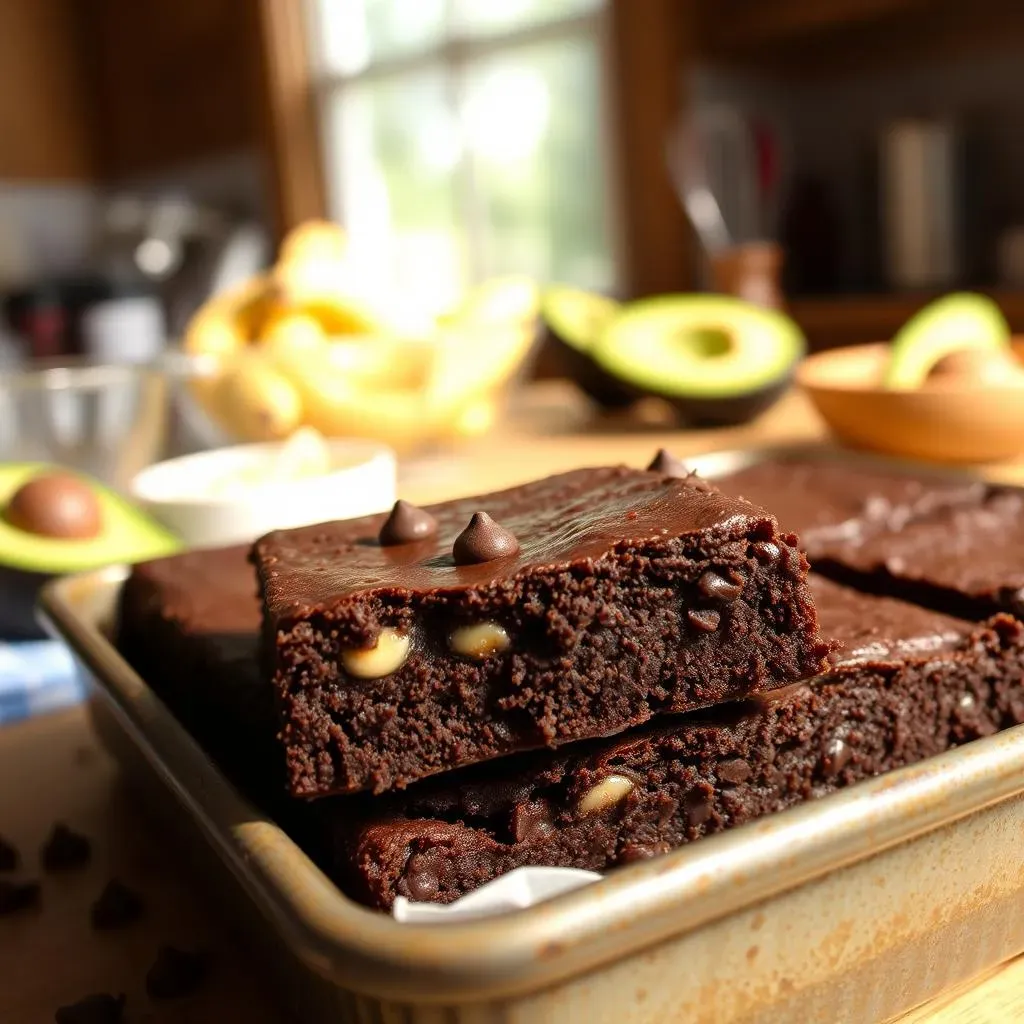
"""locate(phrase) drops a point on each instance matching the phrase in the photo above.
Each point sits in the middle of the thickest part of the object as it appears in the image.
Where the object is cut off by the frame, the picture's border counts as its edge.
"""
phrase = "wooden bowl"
(955, 421)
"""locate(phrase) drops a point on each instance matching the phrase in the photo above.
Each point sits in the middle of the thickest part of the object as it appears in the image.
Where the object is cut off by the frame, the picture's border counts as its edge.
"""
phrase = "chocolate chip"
(836, 756)
(735, 770)
(56, 505)
(704, 619)
(15, 896)
(407, 524)
(176, 973)
(483, 541)
(9, 857)
(422, 876)
(698, 806)
(632, 852)
(766, 551)
(101, 1008)
(116, 907)
(712, 585)
(668, 465)
(65, 850)
(532, 820)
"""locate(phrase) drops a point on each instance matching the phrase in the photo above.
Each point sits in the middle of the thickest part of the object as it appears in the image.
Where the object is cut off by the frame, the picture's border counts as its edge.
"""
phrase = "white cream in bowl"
(235, 495)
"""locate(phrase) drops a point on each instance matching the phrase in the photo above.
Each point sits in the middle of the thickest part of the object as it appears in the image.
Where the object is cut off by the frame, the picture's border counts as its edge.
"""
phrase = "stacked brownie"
(588, 670)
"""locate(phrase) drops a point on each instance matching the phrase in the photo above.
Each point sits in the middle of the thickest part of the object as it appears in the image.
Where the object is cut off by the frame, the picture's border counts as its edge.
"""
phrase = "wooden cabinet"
(45, 113)
(174, 81)
(110, 89)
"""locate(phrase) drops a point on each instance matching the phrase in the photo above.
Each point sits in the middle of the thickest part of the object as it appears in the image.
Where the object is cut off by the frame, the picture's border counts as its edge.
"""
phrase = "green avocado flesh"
(950, 324)
(576, 317)
(699, 346)
(127, 535)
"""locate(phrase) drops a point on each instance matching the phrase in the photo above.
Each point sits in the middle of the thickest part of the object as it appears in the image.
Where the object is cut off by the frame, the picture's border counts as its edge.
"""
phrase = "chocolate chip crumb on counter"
(9, 856)
(176, 973)
(18, 896)
(572, 607)
(101, 1008)
(65, 850)
(116, 907)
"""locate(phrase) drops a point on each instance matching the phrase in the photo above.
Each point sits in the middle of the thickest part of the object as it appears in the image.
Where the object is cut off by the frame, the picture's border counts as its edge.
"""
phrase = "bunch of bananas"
(296, 347)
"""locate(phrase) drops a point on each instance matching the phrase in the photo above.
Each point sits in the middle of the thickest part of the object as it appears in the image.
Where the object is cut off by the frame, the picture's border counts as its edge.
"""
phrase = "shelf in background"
(832, 321)
(796, 39)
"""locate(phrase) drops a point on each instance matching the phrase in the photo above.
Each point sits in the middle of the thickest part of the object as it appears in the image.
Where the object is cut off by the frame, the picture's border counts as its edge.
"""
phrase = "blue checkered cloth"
(36, 676)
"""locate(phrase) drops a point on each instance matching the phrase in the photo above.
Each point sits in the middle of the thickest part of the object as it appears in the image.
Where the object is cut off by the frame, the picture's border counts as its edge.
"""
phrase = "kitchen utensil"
(688, 169)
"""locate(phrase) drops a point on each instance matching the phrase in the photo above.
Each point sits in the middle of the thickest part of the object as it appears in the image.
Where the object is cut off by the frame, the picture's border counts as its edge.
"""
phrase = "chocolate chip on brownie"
(176, 973)
(9, 857)
(65, 850)
(15, 896)
(116, 907)
(101, 1008)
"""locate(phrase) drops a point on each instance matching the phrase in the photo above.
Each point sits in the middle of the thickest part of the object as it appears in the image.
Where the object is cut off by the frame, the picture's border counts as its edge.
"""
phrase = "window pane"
(532, 119)
(350, 34)
(483, 17)
(393, 149)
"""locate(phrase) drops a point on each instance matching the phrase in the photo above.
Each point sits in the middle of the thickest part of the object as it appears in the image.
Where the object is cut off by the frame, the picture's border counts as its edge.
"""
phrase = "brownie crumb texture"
(9, 856)
(65, 850)
(16, 896)
(176, 973)
(101, 1008)
(117, 907)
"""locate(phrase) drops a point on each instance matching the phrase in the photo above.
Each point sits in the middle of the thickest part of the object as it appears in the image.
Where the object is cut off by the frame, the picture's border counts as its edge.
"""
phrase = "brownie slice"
(615, 595)
(906, 685)
(965, 559)
(830, 502)
(189, 625)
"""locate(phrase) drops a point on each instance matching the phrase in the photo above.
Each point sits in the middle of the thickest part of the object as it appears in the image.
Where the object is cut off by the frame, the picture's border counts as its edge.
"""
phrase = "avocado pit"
(978, 368)
(57, 505)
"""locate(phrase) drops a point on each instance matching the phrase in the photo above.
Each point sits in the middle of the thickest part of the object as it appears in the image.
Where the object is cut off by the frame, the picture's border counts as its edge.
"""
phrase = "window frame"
(454, 54)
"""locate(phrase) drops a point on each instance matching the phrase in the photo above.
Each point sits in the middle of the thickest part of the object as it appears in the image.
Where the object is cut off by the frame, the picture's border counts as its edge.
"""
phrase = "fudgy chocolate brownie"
(572, 607)
(189, 625)
(954, 546)
(829, 503)
(906, 685)
(966, 559)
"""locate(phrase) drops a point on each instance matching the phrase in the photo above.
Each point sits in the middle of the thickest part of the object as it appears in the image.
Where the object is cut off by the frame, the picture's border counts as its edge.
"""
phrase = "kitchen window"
(467, 138)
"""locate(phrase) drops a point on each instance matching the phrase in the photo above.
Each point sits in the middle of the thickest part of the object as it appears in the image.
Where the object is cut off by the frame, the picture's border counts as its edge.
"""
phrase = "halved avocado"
(951, 324)
(28, 559)
(575, 319)
(718, 360)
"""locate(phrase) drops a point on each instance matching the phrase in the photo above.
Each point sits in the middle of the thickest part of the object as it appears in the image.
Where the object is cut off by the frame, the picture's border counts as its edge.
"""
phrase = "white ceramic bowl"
(184, 493)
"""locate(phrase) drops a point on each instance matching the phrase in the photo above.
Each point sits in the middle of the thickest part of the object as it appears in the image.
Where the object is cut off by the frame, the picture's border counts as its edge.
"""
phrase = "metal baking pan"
(855, 907)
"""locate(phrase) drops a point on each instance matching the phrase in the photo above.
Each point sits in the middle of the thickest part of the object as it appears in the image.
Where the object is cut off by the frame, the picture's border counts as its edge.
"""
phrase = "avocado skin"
(613, 394)
(19, 592)
(607, 391)
(728, 411)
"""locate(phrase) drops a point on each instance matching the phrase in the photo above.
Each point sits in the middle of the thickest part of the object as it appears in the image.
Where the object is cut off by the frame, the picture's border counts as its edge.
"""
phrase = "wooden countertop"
(53, 769)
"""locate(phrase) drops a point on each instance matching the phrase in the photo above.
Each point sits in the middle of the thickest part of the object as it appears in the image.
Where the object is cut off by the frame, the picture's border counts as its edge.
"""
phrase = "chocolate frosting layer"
(559, 521)
(825, 501)
(879, 629)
